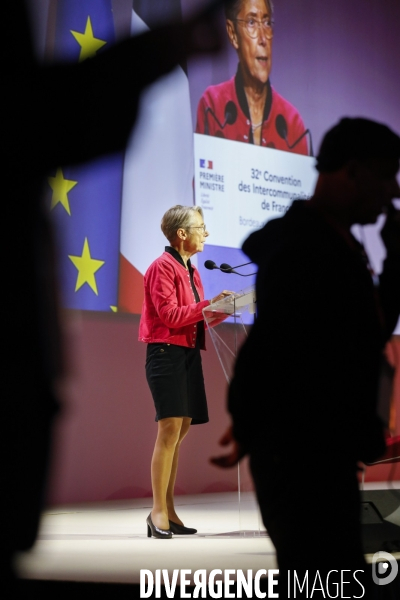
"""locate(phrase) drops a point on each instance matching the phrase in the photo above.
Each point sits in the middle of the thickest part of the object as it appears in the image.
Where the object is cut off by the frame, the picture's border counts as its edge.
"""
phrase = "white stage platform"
(107, 542)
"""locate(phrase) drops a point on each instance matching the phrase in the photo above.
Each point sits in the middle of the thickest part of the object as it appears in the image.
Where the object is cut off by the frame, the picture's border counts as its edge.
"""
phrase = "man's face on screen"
(251, 39)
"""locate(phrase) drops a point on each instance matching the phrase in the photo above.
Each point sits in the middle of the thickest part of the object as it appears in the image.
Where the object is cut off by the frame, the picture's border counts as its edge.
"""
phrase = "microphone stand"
(281, 127)
(225, 268)
(230, 116)
(290, 146)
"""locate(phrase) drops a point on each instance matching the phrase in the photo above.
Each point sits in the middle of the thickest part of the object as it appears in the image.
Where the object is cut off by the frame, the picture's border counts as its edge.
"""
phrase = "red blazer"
(216, 98)
(170, 311)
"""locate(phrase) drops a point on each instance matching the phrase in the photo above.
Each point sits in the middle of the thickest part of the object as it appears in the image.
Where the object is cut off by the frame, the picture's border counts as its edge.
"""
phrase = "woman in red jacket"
(172, 324)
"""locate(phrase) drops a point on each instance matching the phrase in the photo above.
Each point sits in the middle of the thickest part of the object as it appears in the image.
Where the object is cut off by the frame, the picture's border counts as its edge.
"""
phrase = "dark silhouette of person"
(51, 116)
(303, 398)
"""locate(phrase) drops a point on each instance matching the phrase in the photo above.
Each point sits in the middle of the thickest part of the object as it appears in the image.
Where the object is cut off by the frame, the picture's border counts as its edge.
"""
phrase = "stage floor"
(107, 542)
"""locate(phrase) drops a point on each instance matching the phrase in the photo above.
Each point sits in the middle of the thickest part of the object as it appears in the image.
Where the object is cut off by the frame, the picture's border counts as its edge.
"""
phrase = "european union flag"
(86, 200)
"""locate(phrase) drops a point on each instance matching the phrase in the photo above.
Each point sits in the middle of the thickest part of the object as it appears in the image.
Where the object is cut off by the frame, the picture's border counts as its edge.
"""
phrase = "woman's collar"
(178, 257)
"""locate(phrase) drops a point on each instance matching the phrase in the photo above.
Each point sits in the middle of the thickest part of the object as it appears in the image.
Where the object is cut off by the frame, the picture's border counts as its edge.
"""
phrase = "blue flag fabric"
(86, 200)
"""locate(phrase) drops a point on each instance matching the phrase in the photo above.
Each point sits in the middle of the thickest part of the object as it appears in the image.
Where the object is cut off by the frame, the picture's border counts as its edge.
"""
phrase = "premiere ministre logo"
(206, 164)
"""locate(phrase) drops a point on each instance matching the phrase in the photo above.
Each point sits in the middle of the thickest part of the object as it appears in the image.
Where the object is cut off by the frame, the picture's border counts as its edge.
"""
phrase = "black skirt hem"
(194, 421)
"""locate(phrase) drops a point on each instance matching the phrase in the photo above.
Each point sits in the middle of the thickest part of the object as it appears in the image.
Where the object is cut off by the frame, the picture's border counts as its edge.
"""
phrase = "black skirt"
(175, 377)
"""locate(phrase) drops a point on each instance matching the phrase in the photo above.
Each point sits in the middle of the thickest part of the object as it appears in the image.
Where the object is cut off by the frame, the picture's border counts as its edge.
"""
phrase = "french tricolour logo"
(206, 164)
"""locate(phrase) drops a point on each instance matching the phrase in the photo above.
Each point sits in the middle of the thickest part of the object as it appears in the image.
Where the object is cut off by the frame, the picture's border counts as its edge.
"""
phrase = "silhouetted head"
(358, 139)
(358, 162)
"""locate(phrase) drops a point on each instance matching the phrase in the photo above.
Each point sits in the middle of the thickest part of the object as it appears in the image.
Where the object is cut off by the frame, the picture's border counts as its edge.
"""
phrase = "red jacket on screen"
(216, 98)
(170, 312)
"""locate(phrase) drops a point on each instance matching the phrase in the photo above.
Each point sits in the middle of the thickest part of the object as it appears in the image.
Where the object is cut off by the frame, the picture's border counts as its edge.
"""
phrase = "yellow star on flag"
(87, 267)
(61, 187)
(88, 43)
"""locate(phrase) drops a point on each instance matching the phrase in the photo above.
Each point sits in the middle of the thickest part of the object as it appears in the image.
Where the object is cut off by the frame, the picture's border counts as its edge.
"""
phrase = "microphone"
(230, 116)
(225, 268)
(210, 265)
(282, 129)
(230, 113)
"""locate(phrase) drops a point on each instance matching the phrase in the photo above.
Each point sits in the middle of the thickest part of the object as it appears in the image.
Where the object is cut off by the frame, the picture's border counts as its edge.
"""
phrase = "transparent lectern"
(229, 321)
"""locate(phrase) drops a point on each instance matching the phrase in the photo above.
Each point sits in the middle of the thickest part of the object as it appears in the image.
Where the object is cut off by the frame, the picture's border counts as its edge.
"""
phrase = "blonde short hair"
(178, 217)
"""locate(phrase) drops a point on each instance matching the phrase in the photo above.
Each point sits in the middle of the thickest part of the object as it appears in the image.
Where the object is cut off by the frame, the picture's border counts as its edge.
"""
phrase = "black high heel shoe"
(181, 529)
(153, 530)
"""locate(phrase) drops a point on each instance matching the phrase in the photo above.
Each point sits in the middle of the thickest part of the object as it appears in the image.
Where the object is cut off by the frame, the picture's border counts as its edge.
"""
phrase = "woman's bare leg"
(172, 516)
(168, 435)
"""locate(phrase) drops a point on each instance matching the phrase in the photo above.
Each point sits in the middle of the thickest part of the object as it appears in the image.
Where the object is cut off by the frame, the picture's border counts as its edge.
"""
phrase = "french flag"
(158, 169)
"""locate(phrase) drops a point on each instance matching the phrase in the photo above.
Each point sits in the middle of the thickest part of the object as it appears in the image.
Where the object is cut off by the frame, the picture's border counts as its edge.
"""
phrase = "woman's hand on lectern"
(220, 296)
(235, 455)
